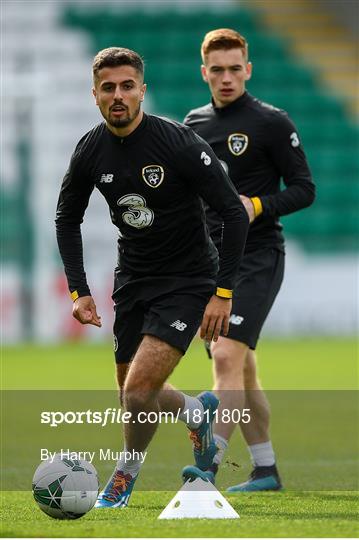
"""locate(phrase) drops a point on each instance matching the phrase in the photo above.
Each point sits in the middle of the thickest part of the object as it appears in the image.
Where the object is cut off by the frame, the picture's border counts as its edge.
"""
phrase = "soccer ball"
(65, 488)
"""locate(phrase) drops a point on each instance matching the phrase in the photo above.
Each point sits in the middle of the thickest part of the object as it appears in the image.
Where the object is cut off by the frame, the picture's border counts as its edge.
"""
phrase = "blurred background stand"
(305, 58)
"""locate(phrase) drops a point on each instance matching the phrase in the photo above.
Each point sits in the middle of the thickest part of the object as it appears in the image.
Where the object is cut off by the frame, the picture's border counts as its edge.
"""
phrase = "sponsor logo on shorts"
(179, 325)
(115, 343)
(236, 319)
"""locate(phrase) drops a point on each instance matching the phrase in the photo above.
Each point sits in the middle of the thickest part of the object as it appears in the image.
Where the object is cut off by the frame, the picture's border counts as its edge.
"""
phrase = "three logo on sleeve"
(206, 159)
(294, 139)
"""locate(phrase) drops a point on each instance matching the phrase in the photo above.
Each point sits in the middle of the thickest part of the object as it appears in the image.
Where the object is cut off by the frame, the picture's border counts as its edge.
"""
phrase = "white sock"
(262, 454)
(129, 464)
(222, 445)
(192, 412)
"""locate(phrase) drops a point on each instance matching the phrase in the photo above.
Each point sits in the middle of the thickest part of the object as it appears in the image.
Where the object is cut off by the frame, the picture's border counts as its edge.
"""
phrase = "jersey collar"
(132, 137)
(234, 106)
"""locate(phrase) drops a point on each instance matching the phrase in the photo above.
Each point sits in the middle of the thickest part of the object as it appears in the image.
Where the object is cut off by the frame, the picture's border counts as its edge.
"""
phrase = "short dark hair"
(117, 56)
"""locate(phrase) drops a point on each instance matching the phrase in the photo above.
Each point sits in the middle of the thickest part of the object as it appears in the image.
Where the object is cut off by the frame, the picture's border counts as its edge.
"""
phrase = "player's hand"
(248, 205)
(84, 310)
(216, 318)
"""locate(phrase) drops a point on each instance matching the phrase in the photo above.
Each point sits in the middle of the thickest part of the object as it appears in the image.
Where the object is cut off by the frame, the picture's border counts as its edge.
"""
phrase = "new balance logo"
(236, 319)
(106, 178)
(179, 325)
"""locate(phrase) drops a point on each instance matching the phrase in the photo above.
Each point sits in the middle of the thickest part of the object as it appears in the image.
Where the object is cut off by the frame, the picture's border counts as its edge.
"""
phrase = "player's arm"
(210, 182)
(287, 154)
(73, 200)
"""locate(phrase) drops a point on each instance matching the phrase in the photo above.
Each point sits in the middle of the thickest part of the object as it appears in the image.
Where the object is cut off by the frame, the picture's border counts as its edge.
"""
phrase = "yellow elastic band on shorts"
(257, 204)
(74, 295)
(224, 293)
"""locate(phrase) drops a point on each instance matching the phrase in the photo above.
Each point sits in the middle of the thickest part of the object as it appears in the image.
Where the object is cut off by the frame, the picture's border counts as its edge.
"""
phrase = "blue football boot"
(204, 446)
(117, 491)
(191, 472)
(260, 479)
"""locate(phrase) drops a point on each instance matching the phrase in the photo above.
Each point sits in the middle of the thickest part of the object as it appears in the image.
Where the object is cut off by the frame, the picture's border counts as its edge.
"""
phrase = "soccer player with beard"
(154, 174)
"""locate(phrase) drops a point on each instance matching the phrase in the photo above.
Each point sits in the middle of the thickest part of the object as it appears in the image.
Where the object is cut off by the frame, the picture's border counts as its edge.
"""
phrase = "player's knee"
(136, 396)
(222, 361)
(135, 401)
(226, 361)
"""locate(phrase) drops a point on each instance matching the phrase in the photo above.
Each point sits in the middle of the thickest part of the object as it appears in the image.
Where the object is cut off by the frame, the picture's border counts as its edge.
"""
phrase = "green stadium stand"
(169, 42)
(11, 226)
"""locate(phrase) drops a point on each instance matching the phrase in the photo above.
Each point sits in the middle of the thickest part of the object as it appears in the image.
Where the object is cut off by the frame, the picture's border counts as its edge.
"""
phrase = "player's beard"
(126, 121)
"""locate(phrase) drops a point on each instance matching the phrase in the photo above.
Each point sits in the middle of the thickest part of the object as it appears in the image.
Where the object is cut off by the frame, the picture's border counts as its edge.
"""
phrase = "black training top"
(153, 181)
(258, 145)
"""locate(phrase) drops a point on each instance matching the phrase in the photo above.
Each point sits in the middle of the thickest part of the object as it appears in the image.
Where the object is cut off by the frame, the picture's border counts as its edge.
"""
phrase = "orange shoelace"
(120, 484)
(195, 438)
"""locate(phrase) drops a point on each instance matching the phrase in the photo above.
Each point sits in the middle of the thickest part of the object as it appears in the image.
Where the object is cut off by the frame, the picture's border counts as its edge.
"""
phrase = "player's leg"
(152, 363)
(264, 475)
(145, 392)
(127, 337)
(121, 373)
(175, 318)
(268, 270)
(240, 389)
(175, 302)
(192, 411)
(191, 408)
(256, 431)
(259, 281)
(196, 412)
(230, 352)
(151, 366)
(228, 369)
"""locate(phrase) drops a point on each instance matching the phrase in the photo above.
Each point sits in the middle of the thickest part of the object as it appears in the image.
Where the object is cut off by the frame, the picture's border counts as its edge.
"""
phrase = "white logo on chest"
(106, 178)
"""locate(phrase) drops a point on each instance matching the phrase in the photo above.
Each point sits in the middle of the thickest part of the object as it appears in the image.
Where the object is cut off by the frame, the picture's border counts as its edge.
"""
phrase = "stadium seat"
(169, 42)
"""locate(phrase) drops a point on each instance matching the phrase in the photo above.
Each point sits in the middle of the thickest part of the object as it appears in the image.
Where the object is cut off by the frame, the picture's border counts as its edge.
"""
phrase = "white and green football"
(65, 488)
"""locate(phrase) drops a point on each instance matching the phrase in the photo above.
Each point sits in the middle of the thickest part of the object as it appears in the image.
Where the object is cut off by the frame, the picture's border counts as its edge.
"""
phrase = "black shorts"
(259, 279)
(170, 308)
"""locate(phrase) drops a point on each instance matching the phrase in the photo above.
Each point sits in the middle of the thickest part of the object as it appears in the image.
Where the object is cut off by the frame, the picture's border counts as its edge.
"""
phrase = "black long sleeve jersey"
(258, 146)
(154, 181)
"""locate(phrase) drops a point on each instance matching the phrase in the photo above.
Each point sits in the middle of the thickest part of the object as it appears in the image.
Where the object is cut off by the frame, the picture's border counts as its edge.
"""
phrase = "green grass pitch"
(317, 453)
